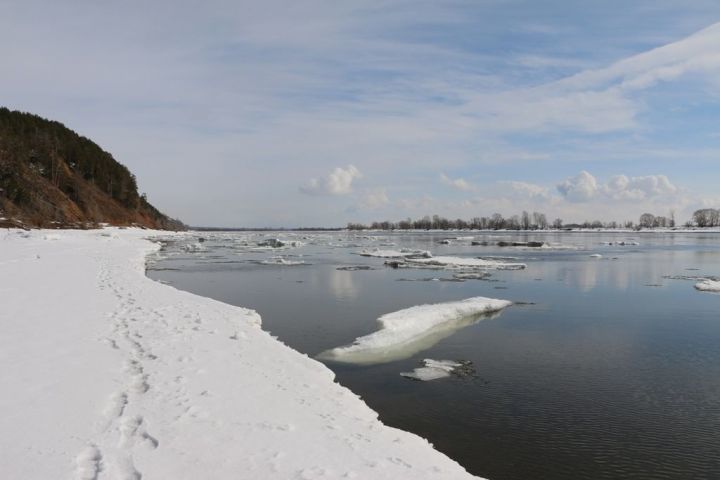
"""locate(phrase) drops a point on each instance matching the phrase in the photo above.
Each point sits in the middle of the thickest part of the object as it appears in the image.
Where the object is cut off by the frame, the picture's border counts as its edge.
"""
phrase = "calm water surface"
(606, 368)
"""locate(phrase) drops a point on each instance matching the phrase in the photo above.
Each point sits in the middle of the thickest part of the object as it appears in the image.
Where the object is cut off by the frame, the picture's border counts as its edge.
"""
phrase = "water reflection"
(342, 285)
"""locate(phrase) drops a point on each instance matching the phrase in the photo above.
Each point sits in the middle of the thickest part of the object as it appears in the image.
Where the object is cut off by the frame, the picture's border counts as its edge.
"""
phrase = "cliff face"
(52, 177)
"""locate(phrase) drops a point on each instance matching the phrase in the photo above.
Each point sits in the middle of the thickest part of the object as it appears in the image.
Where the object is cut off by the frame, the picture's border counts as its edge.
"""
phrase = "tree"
(647, 220)
(557, 223)
(525, 220)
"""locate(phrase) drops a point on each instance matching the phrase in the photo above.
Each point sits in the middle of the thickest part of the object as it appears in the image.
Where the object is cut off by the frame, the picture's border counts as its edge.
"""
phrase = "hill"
(52, 177)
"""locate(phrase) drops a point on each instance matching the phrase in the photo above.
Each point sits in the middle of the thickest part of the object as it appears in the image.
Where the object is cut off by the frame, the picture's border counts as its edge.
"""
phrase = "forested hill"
(52, 177)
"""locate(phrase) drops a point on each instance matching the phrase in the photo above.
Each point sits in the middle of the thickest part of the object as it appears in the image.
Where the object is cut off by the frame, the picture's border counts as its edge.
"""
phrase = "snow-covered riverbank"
(107, 374)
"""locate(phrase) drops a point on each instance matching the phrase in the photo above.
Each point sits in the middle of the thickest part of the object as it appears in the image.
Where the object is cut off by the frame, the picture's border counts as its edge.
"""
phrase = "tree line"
(538, 221)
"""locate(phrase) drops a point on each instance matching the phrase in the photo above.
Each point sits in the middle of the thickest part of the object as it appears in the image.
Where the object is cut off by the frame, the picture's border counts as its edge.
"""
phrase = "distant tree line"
(707, 217)
(538, 221)
(524, 221)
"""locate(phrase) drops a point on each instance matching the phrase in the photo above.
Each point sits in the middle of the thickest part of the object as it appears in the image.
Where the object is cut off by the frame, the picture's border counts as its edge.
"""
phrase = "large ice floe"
(708, 286)
(459, 263)
(404, 253)
(407, 332)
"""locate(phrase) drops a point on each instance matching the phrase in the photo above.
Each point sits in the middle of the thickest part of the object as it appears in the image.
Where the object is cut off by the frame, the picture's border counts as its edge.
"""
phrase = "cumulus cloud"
(337, 182)
(580, 188)
(456, 183)
(526, 189)
(585, 187)
(375, 199)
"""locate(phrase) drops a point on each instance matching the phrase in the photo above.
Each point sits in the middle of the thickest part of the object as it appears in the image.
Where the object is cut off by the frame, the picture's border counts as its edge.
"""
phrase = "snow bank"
(406, 332)
(108, 374)
(708, 286)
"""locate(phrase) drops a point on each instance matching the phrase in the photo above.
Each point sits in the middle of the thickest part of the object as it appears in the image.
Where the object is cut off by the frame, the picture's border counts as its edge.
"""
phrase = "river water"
(604, 368)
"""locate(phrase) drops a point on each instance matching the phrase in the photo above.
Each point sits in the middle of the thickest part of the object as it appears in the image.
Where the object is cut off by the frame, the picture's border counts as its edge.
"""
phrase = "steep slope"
(51, 176)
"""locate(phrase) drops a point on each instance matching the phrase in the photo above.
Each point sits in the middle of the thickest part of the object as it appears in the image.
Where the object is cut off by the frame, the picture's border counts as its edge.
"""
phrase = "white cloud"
(456, 183)
(585, 187)
(581, 188)
(337, 182)
(375, 199)
(526, 189)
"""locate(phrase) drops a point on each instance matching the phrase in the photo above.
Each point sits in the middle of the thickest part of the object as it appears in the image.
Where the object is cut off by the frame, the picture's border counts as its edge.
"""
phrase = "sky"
(320, 113)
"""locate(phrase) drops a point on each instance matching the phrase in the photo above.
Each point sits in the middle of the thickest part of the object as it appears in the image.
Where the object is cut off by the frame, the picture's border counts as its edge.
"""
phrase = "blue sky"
(280, 113)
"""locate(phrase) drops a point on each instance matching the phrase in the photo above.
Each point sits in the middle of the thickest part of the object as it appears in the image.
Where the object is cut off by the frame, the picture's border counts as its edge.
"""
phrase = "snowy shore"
(108, 374)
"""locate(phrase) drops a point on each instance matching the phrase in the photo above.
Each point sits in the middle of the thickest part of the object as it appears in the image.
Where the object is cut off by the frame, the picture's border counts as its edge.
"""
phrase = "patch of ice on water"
(464, 263)
(708, 286)
(281, 261)
(472, 275)
(406, 332)
(595, 255)
(193, 247)
(403, 253)
(432, 370)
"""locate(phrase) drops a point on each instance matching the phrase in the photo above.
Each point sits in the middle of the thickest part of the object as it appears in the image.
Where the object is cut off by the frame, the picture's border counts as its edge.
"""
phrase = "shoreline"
(111, 374)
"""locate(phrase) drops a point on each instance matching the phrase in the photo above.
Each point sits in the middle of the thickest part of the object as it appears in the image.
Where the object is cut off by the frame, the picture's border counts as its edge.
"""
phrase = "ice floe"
(193, 247)
(708, 286)
(434, 369)
(281, 261)
(406, 332)
(462, 263)
(404, 253)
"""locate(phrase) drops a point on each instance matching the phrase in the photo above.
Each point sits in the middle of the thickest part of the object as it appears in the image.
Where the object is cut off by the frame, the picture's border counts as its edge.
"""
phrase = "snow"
(282, 261)
(708, 286)
(432, 370)
(107, 374)
(464, 262)
(406, 332)
(193, 247)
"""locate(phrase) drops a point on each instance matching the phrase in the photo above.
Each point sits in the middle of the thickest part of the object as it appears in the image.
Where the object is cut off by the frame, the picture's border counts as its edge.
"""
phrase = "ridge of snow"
(108, 374)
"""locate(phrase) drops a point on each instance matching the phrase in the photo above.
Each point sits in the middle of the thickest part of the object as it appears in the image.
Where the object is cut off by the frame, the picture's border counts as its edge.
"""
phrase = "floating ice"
(432, 370)
(708, 286)
(595, 255)
(472, 275)
(282, 261)
(406, 332)
(404, 253)
(464, 263)
(193, 247)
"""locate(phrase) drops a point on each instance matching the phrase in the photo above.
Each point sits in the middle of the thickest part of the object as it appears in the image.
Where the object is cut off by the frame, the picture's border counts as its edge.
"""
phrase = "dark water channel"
(607, 369)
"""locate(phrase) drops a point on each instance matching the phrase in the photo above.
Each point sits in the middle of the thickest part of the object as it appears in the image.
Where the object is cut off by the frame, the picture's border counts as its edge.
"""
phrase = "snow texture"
(406, 332)
(465, 263)
(708, 286)
(107, 374)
